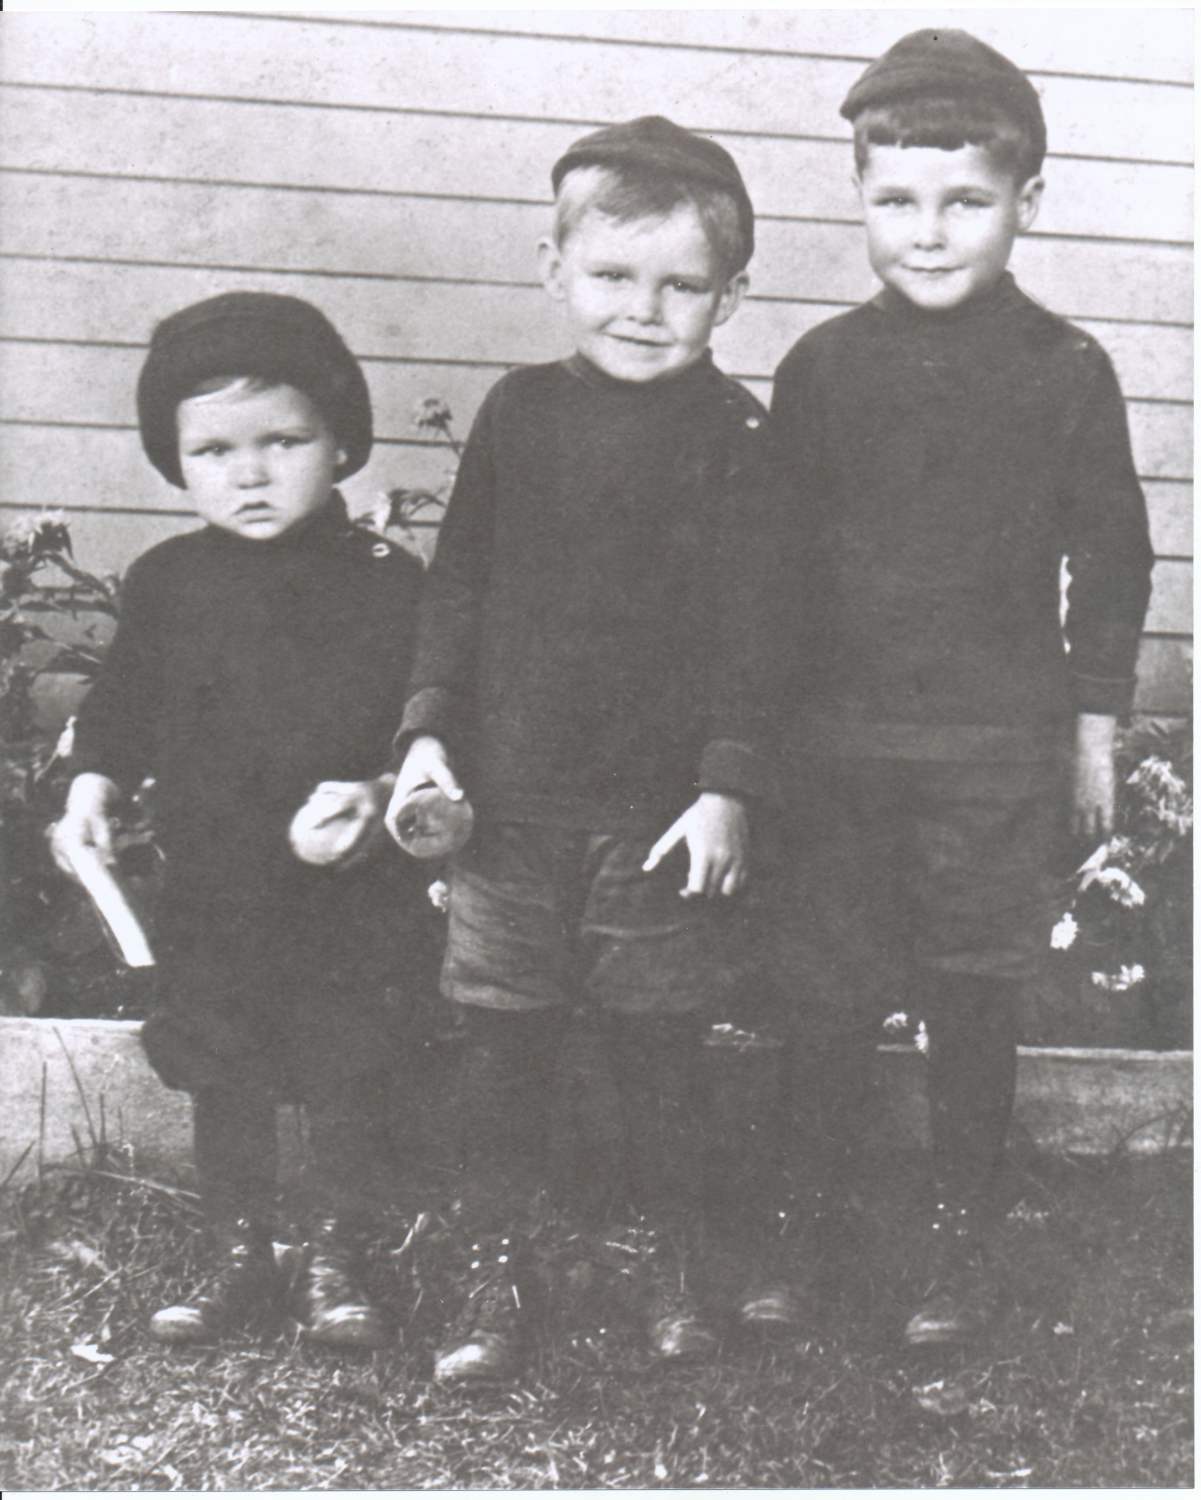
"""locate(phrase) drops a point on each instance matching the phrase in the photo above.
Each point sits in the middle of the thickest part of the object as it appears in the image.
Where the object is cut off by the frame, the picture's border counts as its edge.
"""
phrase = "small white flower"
(921, 1038)
(1120, 886)
(896, 1022)
(65, 744)
(439, 894)
(1127, 976)
(1065, 931)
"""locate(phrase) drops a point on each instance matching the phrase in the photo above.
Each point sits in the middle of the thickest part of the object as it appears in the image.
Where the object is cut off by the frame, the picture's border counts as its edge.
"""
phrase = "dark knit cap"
(659, 145)
(950, 63)
(262, 334)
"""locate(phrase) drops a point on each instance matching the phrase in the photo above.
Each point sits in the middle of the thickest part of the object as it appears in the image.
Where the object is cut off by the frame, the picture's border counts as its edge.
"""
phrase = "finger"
(444, 779)
(700, 877)
(733, 881)
(663, 847)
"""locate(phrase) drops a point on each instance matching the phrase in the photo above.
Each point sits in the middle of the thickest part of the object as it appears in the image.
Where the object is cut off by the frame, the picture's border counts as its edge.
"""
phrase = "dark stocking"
(505, 1094)
(234, 1145)
(655, 1062)
(351, 1153)
(972, 1024)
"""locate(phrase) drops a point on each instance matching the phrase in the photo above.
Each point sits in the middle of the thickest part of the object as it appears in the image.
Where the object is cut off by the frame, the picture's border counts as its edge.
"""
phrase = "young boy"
(595, 668)
(257, 661)
(951, 441)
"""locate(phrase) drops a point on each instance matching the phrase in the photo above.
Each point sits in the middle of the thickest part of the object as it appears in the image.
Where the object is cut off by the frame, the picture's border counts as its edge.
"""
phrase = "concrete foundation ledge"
(66, 1085)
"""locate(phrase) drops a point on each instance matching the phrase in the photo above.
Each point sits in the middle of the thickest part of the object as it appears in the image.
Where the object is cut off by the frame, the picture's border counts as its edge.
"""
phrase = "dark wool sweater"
(599, 629)
(944, 464)
(243, 673)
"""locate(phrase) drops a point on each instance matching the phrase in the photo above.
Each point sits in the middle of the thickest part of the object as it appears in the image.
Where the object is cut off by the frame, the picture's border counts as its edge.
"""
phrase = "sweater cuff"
(429, 711)
(731, 766)
(1103, 695)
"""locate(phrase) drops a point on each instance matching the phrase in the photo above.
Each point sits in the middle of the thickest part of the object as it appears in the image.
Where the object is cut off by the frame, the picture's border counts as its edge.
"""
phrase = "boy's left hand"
(1093, 791)
(341, 822)
(716, 831)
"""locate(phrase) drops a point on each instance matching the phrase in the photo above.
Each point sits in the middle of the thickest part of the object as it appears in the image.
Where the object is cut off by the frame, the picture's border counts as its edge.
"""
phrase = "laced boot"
(671, 1316)
(794, 1276)
(487, 1341)
(963, 1295)
(332, 1303)
(242, 1289)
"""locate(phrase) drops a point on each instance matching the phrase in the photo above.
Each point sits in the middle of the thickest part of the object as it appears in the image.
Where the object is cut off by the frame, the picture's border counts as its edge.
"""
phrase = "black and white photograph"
(596, 784)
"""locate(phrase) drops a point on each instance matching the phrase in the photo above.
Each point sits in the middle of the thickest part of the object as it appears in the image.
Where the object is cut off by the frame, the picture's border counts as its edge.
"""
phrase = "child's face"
(941, 224)
(642, 298)
(256, 462)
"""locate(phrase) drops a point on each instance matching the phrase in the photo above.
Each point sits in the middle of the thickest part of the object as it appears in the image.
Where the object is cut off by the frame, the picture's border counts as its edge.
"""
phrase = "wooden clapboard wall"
(393, 168)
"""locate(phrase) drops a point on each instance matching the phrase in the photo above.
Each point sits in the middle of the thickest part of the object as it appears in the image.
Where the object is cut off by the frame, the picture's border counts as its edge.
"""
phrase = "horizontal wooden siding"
(393, 168)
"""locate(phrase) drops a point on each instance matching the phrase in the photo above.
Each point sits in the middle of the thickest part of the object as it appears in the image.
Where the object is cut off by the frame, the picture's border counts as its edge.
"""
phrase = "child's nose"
(250, 471)
(928, 231)
(644, 304)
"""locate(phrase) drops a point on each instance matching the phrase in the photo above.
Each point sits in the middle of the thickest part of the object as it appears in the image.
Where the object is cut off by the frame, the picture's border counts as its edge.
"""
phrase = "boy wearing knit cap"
(256, 670)
(951, 442)
(594, 669)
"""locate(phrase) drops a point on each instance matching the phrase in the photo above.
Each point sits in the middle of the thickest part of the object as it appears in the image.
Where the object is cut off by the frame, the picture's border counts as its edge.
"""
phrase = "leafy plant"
(1128, 922)
(54, 619)
(406, 510)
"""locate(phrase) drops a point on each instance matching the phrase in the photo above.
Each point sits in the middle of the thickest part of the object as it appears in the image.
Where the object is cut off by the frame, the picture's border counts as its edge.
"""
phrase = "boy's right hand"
(86, 822)
(425, 764)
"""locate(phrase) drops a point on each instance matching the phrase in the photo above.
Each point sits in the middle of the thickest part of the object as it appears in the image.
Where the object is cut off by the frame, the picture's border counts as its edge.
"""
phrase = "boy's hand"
(341, 822)
(1093, 776)
(716, 831)
(426, 764)
(86, 822)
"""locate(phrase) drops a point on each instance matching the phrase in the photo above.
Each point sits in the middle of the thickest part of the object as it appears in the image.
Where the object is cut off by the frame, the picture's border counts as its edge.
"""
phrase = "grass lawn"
(1087, 1382)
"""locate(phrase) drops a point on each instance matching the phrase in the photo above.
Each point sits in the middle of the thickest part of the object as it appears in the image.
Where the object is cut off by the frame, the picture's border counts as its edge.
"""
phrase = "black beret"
(265, 334)
(949, 63)
(659, 145)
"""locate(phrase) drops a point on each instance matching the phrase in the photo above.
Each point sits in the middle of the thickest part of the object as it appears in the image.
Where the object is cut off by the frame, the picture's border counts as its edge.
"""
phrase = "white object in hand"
(112, 904)
(326, 829)
(428, 825)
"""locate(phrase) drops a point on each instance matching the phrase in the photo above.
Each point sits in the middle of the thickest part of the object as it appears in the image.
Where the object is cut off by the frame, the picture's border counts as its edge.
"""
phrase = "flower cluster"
(1128, 922)
(414, 511)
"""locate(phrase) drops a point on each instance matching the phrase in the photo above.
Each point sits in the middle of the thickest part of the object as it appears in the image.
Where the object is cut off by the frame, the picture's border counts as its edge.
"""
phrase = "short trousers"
(543, 916)
(889, 869)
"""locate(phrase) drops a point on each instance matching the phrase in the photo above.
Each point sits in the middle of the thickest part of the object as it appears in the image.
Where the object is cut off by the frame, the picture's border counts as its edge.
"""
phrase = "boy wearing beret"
(258, 661)
(594, 668)
(951, 442)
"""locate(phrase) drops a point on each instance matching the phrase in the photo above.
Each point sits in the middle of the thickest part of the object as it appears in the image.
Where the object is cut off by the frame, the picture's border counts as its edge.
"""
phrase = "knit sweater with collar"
(944, 465)
(600, 625)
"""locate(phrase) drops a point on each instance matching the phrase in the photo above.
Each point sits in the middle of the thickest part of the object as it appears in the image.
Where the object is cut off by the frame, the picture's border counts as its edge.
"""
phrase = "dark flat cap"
(277, 338)
(659, 145)
(949, 62)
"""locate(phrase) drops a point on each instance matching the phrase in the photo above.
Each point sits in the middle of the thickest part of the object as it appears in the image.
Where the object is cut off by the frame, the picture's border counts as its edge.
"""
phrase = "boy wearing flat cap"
(595, 669)
(951, 443)
(258, 661)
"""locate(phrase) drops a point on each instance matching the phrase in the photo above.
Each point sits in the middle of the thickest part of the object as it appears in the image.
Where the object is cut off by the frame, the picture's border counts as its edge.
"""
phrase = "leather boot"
(332, 1304)
(488, 1339)
(656, 1270)
(962, 1298)
(795, 1275)
(242, 1289)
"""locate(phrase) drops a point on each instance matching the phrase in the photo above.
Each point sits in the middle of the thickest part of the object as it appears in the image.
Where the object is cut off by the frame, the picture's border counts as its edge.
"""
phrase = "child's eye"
(289, 439)
(605, 273)
(694, 287)
(208, 450)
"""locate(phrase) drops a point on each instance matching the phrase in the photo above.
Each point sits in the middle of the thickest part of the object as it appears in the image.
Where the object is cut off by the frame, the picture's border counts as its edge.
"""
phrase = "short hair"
(948, 122)
(217, 385)
(627, 193)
